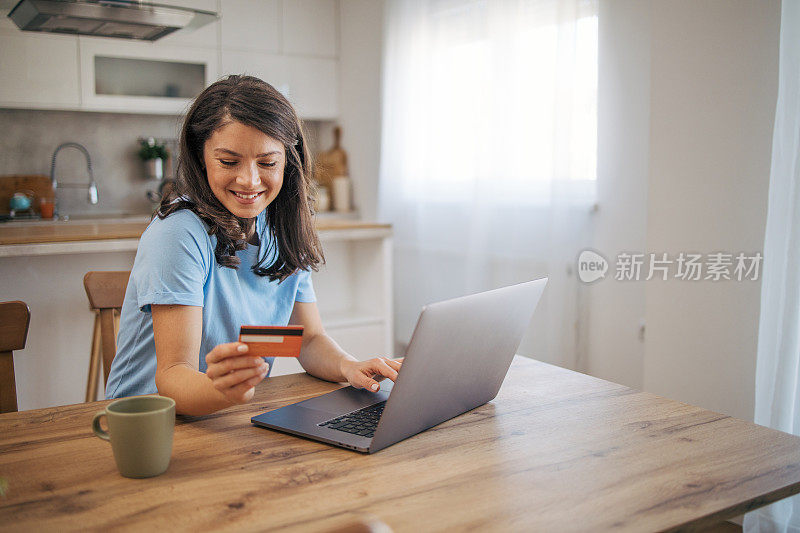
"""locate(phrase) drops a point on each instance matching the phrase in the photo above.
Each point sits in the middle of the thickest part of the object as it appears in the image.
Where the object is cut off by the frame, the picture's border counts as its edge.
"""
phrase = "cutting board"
(331, 163)
(40, 185)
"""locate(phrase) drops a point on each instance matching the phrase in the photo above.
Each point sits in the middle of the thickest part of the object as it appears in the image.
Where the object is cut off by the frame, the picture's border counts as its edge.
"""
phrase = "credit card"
(272, 341)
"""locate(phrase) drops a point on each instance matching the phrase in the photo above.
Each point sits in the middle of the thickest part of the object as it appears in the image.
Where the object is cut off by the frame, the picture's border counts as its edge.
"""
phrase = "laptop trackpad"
(348, 399)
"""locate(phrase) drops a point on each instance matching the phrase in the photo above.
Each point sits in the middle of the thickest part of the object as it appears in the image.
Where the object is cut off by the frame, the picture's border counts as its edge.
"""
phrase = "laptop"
(457, 359)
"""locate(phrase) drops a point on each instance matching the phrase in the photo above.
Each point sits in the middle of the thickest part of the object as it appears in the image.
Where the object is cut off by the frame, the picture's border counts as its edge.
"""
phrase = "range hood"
(122, 19)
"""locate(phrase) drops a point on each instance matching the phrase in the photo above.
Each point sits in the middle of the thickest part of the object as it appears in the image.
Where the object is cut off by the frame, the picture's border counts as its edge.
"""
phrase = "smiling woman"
(242, 137)
(233, 245)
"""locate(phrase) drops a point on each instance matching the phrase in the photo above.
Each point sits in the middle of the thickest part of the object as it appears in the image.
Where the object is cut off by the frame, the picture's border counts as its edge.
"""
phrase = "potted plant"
(154, 155)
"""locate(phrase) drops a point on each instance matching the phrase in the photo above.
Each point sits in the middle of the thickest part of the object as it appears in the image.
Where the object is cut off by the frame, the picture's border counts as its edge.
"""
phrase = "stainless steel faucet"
(94, 196)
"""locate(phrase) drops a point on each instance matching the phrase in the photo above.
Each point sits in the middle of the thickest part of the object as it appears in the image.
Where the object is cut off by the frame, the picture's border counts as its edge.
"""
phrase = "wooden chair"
(14, 320)
(106, 291)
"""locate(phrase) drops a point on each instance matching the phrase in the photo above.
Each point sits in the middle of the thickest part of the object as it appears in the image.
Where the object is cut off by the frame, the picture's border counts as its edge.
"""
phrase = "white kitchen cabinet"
(253, 25)
(292, 44)
(310, 83)
(6, 24)
(206, 36)
(310, 27)
(144, 77)
(50, 71)
(298, 57)
(38, 71)
(269, 67)
(313, 86)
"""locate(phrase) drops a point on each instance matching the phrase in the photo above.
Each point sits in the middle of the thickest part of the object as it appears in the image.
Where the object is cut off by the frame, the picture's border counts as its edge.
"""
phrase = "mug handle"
(100, 432)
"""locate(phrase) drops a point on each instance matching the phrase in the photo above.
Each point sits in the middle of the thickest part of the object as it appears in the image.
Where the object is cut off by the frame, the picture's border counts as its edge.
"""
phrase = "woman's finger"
(229, 383)
(373, 368)
(223, 351)
(232, 363)
(379, 368)
(236, 377)
(369, 384)
(240, 393)
(394, 364)
(385, 370)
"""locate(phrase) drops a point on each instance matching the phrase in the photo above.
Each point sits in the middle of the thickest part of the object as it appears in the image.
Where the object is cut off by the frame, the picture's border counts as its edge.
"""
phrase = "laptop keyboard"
(360, 422)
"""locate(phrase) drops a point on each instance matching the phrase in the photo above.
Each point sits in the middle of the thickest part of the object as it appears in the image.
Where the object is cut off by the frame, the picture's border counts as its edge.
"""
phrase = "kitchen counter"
(122, 234)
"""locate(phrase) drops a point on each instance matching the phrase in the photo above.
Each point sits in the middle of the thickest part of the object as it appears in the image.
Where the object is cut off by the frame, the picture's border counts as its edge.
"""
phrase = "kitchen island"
(43, 264)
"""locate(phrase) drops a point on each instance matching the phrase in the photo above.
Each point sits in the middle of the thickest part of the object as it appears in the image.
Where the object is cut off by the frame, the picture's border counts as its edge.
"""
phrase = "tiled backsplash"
(29, 138)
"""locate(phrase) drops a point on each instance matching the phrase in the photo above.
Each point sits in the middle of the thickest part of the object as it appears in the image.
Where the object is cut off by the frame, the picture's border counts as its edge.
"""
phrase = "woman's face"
(244, 168)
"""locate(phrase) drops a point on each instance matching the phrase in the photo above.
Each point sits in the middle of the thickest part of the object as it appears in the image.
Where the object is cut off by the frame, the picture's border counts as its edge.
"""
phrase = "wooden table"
(555, 451)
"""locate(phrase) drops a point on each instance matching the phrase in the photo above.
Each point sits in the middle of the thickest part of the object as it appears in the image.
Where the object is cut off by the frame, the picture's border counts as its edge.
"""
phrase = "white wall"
(616, 310)
(687, 100)
(360, 56)
(54, 366)
(713, 93)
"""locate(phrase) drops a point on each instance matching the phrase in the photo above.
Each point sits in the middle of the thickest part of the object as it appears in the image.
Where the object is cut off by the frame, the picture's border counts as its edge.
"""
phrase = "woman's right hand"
(233, 372)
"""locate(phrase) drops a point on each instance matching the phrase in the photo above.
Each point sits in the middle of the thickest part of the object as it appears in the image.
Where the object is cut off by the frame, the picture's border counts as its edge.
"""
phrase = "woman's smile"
(247, 197)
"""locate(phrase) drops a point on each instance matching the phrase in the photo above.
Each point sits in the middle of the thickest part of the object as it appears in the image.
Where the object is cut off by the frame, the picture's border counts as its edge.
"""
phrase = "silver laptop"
(457, 359)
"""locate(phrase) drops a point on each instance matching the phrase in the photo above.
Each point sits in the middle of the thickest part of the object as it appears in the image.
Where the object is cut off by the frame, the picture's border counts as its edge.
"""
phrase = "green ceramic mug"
(140, 430)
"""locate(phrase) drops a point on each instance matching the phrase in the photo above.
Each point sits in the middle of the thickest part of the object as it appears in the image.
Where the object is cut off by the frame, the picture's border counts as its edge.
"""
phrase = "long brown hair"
(255, 103)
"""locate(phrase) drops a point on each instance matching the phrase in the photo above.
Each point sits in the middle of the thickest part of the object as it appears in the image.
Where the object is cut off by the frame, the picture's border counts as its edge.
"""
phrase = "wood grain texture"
(331, 163)
(15, 317)
(8, 383)
(106, 289)
(106, 293)
(94, 361)
(94, 231)
(555, 451)
(108, 341)
(71, 231)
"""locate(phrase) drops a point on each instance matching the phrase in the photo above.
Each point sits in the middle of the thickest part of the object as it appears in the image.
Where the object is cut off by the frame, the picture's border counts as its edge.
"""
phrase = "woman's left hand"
(366, 374)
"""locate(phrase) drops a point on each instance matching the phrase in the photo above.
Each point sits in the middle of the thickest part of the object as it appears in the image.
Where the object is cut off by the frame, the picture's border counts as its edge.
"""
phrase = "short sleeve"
(172, 262)
(305, 288)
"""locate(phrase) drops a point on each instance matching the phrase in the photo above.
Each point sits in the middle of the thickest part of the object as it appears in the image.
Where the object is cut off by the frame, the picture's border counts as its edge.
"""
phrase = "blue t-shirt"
(175, 264)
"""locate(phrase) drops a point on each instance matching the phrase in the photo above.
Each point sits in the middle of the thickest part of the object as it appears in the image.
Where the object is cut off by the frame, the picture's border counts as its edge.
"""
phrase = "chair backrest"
(14, 320)
(106, 292)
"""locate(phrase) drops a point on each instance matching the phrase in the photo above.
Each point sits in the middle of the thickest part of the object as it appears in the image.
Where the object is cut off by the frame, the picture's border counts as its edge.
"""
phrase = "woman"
(233, 245)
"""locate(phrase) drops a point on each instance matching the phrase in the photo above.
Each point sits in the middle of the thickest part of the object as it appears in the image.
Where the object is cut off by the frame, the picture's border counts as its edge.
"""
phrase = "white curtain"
(488, 159)
(778, 364)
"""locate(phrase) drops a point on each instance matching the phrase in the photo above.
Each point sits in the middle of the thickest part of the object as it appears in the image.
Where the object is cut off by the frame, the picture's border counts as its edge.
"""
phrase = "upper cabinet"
(291, 44)
(39, 71)
(309, 83)
(135, 77)
(251, 25)
(206, 36)
(269, 67)
(310, 28)
(313, 87)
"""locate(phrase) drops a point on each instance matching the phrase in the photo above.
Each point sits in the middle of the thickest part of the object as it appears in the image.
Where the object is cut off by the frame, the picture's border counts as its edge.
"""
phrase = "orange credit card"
(272, 341)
